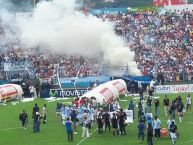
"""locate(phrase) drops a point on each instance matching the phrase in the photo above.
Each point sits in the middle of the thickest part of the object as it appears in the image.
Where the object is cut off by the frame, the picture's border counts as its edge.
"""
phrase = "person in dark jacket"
(180, 109)
(106, 118)
(100, 123)
(68, 124)
(140, 109)
(74, 120)
(114, 122)
(36, 122)
(149, 134)
(172, 110)
(35, 109)
(23, 117)
(131, 107)
(122, 118)
(173, 133)
(141, 131)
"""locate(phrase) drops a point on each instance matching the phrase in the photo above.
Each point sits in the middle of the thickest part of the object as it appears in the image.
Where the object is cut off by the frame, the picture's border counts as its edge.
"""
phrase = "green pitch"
(53, 133)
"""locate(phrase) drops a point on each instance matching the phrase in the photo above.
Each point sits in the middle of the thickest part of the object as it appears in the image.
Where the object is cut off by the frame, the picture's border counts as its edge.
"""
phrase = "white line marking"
(13, 128)
(87, 137)
(187, 141)
(188, 122)
(135, 101)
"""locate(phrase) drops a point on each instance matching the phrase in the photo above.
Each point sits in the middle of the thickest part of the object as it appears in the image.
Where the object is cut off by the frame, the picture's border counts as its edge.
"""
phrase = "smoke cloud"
(59, 26)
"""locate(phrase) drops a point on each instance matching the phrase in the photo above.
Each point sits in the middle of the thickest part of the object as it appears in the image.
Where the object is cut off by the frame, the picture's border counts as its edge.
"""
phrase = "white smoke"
(60, 27)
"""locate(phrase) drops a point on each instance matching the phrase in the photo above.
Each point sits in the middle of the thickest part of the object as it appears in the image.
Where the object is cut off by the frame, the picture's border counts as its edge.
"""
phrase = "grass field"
(53, 133)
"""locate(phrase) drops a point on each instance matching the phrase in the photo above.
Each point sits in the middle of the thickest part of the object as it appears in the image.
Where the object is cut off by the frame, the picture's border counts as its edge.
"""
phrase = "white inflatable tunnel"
(10, 91)
(107, 92)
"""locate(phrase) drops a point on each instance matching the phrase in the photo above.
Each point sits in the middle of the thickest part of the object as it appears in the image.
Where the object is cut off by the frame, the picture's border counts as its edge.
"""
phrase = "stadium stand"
(162, 44)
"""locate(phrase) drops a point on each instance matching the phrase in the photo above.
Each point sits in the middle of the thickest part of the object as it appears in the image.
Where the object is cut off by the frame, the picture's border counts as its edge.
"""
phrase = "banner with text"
(185, 88)
(70, 92)
(129, 115)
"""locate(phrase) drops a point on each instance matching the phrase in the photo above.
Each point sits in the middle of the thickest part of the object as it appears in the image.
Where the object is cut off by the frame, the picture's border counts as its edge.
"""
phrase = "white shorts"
(92, 117)
(64, 117)
(173, 135)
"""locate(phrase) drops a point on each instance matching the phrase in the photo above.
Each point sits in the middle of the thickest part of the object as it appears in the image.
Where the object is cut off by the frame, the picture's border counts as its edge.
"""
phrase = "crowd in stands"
(77, 65)
(46, 65)
(162, 42)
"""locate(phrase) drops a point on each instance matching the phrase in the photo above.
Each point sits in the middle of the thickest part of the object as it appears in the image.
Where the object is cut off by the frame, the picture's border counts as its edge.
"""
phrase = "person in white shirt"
(85, 130)
(31, 89)
(144, 105)
(152, 84)
(188, 103)
(44, 113)
(139, 84)
(157, 127)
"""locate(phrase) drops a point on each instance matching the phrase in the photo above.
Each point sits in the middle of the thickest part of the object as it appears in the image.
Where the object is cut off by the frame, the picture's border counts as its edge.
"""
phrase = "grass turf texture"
(53, 133)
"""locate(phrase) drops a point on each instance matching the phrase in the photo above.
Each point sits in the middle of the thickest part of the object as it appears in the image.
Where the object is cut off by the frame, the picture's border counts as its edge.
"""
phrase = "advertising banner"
(160, 89)
(168, 2)
(70, 92)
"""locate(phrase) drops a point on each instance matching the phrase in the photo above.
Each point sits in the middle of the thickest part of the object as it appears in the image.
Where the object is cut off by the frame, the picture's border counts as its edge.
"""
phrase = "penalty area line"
(87, 137)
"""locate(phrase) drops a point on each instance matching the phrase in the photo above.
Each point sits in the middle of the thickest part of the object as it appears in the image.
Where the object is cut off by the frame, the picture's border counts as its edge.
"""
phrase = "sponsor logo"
(174, 88)
(71, 92)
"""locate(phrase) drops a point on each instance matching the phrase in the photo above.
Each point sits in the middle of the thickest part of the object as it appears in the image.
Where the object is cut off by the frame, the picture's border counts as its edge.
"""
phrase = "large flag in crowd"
(168, 2)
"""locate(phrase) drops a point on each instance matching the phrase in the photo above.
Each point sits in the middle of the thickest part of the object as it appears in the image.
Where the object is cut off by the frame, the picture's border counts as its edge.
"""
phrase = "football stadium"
(96, 72)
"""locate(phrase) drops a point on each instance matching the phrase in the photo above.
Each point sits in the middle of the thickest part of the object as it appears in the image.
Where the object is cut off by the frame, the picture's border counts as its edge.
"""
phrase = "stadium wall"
(86, 82)
(82, 82)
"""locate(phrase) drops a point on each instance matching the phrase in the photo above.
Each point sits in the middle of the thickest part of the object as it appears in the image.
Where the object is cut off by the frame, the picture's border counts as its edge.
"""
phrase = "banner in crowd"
(108, 10)
(168, 2)
(70, 92)
(184, 88)
(171, 8)
(7, 66)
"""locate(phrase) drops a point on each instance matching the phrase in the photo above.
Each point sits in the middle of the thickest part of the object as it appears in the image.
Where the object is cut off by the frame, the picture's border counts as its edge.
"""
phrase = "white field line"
(87, 137)
(13, 128)
(186, 142)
